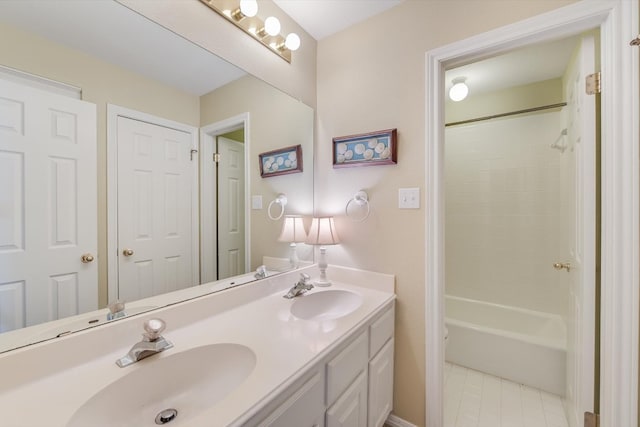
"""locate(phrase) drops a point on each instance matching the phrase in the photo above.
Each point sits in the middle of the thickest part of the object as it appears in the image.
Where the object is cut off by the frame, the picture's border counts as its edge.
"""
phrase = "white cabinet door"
(350, 410)
(304, 408)
(381, 385)
(231, 250)
(48, 206)
(155, 190)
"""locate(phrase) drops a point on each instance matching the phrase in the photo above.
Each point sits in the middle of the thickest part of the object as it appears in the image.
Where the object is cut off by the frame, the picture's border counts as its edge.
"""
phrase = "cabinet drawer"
(381, 330)
(346, 366)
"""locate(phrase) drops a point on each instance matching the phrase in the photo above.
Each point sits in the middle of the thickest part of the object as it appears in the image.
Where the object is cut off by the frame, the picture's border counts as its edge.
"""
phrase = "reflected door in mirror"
(48, 219)
(155, 190)
(231, 208)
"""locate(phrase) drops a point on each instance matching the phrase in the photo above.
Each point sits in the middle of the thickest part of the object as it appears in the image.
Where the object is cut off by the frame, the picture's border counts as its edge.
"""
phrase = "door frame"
(620, 213)
(207, 138)
(113, 112)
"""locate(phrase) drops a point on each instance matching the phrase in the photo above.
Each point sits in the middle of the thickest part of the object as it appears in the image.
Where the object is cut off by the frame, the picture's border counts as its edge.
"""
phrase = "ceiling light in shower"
(459, 90)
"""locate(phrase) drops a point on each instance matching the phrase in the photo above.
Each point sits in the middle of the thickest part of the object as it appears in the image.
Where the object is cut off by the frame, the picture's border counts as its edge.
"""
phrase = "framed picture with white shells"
(366, 149)
(281, 161)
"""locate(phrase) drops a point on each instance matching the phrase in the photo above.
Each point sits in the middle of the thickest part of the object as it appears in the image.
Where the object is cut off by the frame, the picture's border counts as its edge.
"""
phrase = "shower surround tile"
(476, 399)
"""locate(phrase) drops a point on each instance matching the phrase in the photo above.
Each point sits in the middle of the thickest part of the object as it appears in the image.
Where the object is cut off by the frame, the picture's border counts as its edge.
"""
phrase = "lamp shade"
(323, 232)
(292, 230)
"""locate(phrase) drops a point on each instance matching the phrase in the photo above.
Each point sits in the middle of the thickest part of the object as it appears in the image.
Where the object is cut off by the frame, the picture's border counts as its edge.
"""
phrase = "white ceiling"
(322, 18)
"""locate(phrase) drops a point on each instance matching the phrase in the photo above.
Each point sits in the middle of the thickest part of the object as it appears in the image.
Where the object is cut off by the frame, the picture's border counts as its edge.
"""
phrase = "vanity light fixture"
(323, 232)
(272, 26)
(459, 90)
(249, 8)
(244, 15)
(293, 232)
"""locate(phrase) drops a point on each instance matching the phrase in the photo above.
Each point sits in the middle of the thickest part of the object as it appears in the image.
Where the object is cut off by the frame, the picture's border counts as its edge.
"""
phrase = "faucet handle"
(153, 328)
(116, 310)
(261, 272)
(304, 277)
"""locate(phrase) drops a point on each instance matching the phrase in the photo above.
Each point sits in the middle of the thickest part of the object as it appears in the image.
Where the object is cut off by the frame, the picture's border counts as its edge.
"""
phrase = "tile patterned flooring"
(476, 399)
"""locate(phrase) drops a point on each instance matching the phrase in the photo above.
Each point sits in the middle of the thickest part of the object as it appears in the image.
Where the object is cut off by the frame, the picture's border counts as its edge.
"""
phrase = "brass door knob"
(562, 265)
(127, 252)
(86, 258)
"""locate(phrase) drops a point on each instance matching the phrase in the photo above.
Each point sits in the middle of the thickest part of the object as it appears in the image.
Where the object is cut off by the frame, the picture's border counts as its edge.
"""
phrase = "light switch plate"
(256, 202)
(409, 198)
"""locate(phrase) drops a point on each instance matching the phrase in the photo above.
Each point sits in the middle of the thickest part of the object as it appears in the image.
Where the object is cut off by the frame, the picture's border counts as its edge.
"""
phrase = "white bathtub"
(524, 346)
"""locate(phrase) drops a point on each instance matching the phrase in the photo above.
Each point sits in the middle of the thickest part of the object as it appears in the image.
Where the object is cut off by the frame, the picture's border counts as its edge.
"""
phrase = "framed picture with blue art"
(366, 149)
(281, 161)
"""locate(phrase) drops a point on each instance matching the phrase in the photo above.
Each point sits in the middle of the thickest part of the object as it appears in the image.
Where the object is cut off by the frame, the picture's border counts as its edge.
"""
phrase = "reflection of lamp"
(323, 232)
(293, 232)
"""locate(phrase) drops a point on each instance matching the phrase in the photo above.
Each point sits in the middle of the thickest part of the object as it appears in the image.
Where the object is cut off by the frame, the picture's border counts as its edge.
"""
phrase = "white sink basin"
(325, 305)
(188, 382)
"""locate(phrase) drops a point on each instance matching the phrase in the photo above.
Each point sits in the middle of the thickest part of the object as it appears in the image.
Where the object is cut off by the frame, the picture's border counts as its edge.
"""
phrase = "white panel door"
(231, 247)
(581, 131)
(155, 191)
(48, 216)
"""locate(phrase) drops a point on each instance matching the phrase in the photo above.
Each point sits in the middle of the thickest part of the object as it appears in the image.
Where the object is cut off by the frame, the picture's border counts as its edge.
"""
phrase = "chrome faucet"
(152, 343)
(261, 272)
(299, 288)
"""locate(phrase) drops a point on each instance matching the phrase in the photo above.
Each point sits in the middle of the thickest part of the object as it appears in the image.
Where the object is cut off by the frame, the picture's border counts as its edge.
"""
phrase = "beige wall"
(102, 84)
(276, 121)
(371, 77)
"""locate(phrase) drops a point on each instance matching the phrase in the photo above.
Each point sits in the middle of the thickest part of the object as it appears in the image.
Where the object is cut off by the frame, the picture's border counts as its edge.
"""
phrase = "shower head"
(560, 143)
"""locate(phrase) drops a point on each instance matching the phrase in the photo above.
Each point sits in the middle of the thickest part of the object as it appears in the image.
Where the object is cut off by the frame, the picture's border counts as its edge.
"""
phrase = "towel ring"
(280, 200)
(361, 198)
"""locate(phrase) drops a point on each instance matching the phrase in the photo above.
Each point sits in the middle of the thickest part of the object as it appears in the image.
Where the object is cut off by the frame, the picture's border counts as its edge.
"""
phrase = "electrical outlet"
(409, 198)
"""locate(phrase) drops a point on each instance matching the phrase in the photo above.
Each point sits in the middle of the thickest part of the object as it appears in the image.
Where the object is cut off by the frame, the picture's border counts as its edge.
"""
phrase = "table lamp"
(323, 233)
(293, 232)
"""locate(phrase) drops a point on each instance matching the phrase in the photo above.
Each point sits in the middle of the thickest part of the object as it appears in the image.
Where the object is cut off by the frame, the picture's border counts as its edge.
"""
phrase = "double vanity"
(244, 356)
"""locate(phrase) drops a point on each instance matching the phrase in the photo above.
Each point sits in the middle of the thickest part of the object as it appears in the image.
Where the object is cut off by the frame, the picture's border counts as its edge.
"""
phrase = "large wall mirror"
(129, 168)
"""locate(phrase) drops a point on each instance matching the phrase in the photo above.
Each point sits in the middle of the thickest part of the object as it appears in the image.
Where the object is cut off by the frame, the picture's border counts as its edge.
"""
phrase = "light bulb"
(292, 42)
(249, 7)
(272, 26)
(459, 90)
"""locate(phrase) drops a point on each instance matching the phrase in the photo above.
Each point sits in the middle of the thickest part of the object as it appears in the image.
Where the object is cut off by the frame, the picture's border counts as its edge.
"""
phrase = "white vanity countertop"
(46, 383)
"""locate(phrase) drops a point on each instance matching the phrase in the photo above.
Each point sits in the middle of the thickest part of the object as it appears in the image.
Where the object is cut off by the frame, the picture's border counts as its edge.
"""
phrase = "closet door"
(155, 190)
(48, 221)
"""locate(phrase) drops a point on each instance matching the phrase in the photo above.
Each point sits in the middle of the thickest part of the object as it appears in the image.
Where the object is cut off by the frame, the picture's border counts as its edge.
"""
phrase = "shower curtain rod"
(511, 113)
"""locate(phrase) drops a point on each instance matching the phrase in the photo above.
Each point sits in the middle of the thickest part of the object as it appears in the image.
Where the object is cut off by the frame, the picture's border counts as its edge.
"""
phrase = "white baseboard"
(395, 421)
